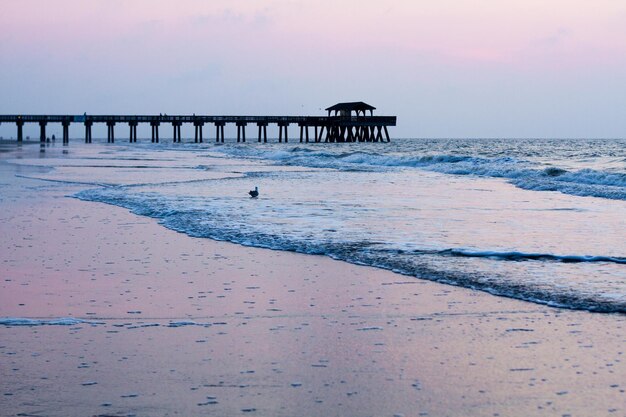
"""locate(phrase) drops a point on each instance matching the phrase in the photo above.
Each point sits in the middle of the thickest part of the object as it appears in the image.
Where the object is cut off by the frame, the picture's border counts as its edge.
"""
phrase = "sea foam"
(63, 321)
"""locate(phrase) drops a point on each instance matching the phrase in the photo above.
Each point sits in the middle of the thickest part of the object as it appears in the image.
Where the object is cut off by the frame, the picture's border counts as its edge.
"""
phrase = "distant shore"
(168, 324)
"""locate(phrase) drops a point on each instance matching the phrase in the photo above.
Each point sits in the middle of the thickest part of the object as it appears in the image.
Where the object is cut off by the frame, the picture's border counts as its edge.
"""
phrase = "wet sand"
(182, 326)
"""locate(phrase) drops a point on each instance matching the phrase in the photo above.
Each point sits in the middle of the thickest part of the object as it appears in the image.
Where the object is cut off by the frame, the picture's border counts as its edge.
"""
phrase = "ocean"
(542, 220)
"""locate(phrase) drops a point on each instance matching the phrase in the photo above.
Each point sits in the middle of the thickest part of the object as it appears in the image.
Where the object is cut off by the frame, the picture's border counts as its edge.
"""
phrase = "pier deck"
(327, 129)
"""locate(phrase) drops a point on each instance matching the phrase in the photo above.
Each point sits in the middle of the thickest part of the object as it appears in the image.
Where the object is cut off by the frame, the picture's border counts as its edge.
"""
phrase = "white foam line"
(63, 321)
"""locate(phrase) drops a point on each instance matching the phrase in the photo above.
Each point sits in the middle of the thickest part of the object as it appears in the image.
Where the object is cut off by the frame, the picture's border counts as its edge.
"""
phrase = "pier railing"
(30, 118)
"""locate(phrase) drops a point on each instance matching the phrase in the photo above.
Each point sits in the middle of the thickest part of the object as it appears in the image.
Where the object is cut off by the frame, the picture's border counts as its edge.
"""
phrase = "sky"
(446, 68)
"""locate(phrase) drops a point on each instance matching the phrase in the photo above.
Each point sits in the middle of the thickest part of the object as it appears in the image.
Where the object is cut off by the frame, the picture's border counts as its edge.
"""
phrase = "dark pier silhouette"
(345, 122)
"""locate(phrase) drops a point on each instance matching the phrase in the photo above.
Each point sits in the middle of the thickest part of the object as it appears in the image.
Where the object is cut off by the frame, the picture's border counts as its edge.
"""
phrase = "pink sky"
(446, 67)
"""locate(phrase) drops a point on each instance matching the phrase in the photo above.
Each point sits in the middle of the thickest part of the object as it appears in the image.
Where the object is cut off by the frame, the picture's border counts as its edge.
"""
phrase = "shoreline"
(275, 333)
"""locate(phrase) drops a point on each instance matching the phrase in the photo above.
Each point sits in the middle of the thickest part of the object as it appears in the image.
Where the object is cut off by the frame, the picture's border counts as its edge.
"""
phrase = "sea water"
(539, 220)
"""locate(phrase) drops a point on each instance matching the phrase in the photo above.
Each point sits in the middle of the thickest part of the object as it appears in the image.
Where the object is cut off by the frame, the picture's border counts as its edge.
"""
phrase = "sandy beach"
(173, 325)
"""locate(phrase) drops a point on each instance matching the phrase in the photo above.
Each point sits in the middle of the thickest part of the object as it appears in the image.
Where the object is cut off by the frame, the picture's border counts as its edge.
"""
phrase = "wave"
(582, 183)
(521, 256)
(425, 264)
(521, 173)
(63, 321)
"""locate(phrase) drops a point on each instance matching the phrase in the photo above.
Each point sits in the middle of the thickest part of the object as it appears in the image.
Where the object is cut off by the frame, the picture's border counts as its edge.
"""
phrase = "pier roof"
(351, 106)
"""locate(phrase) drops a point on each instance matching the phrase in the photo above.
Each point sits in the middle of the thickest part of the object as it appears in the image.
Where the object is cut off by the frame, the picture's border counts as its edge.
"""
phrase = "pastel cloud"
(274, 56)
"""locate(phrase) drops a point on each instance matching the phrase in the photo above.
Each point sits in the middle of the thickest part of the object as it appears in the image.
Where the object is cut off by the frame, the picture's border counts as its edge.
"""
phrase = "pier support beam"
(88, 124)
(304, 132)
(379, 134)
(110, 131)
(282, 126)
(241, 131)
(198, 131)
(350, 137)
(321, 135)
(332, 133)
(262, 129)
(361, 133)
(133, 131)
(20, 132)
(219, 131)
(155, 131)
(66, 132)
(42, 131)
(177, 136)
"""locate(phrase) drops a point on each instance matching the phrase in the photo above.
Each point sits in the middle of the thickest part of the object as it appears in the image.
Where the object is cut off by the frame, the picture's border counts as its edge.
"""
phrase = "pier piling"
(282, 126)
(110, 131)
(262, 129)
(88, 124)
(219, 132)
(176, 136)
(133, 131)
(198, 131)
(241, 131)
(42, 131)
(66, 132)
(20, 133)
(155, 131)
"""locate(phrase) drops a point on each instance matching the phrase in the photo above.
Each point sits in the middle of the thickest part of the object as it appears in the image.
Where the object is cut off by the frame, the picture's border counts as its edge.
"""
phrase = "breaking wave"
(426, 264)
(521, 256)
(519, 172)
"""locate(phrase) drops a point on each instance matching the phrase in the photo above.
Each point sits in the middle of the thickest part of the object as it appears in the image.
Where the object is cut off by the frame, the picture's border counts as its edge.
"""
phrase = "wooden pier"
(345, 122)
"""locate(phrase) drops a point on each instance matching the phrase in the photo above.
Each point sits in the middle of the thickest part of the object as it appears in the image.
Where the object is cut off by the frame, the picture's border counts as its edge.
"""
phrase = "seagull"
(254, 193)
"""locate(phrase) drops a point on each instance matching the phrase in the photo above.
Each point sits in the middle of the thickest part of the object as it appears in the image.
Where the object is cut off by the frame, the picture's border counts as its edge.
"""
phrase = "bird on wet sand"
(254, 193)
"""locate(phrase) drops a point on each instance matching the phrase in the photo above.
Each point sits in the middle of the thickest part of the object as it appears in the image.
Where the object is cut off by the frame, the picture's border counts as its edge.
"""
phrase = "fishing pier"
(345, 122)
